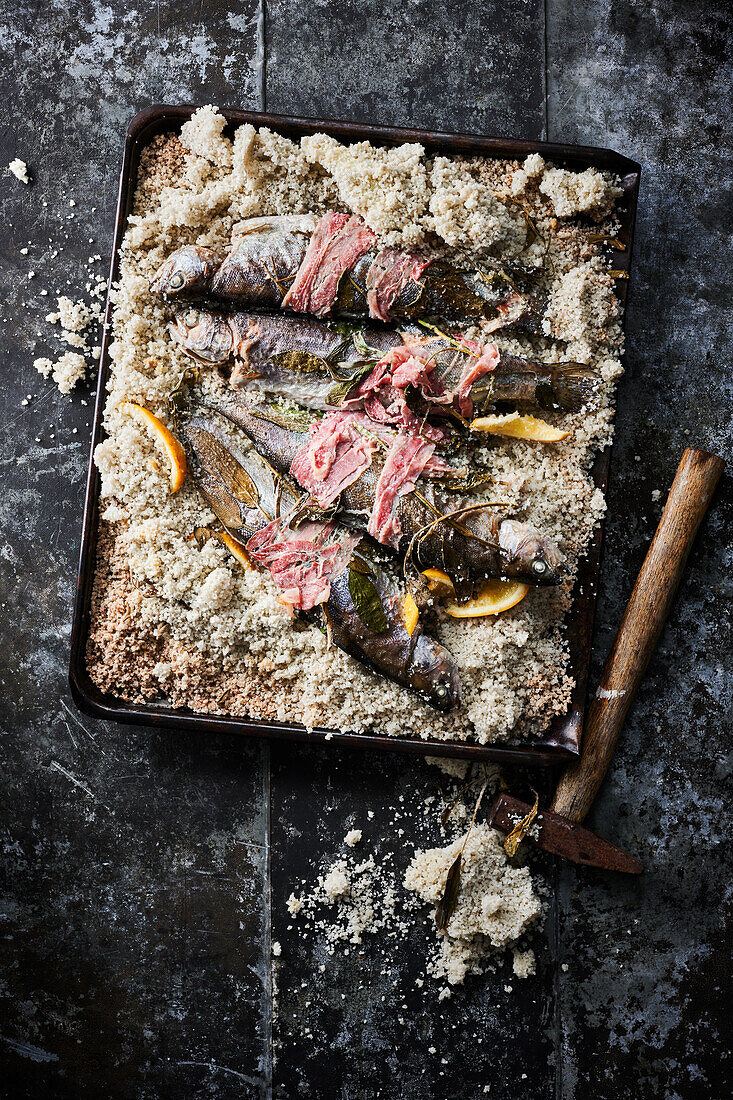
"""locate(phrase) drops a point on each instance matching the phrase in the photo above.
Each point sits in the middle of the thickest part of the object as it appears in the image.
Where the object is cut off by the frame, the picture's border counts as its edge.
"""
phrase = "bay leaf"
(447, 903)
(367, 602)
(360, 368)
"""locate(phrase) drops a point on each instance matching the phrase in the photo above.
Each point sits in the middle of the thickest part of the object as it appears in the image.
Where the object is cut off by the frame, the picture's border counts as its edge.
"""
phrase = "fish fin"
(573, 384)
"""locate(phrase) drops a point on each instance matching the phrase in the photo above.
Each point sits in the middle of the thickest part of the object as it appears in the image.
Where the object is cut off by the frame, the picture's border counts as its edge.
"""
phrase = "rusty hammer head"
(559, 835)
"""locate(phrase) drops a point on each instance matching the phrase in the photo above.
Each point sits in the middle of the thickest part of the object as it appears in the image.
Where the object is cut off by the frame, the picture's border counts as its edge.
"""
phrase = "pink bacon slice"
(409, 457)
(302, 563)
(335, 456)
(336, 245)
(389, 273)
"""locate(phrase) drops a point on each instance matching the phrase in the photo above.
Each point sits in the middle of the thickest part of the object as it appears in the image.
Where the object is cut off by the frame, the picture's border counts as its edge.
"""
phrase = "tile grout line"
(261, 55)
(268, 991)
(559, 1051)
(545, 72)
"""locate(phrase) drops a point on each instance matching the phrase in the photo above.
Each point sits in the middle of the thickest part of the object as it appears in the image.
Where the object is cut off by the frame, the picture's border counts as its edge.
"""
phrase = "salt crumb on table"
(19, 169)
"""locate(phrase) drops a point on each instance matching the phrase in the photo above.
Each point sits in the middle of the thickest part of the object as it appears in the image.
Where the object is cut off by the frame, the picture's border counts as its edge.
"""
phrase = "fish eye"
(191, 318)
(176, 281)
(539, 567)
(441, 690)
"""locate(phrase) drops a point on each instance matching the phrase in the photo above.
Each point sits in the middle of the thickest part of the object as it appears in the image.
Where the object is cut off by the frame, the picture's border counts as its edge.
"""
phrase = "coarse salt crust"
(350, 900)
(585, 192)
(467, 214)
(213, 636)
(496, 903)
(387, 187)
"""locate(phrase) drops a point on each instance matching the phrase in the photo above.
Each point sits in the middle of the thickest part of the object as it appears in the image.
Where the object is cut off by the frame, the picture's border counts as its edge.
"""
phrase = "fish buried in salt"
(333, 266)
(469, 544)
(322, 366)
(327, 573)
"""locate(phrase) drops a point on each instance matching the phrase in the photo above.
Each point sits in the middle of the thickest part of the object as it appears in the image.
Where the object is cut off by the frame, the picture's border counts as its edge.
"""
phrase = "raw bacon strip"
(390, 272)
(488, 360)
(335, 456)
(303, 562)
(382, 391)
(336, 245)
(406, 461)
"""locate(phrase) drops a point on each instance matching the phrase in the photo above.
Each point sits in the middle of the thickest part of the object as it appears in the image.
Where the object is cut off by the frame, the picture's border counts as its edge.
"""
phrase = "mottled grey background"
(139, 866)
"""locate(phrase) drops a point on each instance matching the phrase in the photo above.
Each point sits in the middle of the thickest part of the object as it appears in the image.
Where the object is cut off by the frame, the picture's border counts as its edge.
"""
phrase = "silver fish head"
(188, 270)
(206, 336)
(529, 555)
(434, 675)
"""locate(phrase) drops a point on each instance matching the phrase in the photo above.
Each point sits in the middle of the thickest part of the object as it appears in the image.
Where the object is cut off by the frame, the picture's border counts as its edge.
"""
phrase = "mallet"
(558, 830)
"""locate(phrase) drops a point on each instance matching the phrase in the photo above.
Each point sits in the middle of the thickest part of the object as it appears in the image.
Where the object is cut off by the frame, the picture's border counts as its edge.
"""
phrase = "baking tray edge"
(553, 748)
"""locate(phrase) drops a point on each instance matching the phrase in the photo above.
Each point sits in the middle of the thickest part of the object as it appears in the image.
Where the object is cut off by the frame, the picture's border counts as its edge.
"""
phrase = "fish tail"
(573, 384)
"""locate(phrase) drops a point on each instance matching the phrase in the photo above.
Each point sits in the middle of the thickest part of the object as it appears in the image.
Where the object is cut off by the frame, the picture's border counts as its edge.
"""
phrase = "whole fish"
(363, 612)
(311, 363)
(269, 256)
(467, 543)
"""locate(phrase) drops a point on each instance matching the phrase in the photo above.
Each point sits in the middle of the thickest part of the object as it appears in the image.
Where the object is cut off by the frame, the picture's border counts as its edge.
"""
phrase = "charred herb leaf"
(364, 349)
(447, 903)
(222, 466)
(367, 602)
(606, 238)
(358, 564)
(520, 830)
(465, 481)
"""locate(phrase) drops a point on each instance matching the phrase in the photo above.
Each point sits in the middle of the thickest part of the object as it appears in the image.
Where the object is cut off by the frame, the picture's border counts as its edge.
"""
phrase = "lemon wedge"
(174, 451)
(494, 597)
(439, 582)
(235, 548)
(410, 614)
(515, 426)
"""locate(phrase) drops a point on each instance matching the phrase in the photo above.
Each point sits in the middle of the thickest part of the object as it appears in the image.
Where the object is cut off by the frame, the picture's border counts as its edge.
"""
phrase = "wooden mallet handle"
(697, 475)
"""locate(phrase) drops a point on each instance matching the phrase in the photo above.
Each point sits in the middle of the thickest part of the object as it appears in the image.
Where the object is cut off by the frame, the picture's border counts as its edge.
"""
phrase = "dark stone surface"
(650, 960)
(472, 67)
(138, 865)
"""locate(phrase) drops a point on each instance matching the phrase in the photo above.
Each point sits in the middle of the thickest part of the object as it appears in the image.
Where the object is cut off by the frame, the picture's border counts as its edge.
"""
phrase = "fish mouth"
(531, 556)
(446, 693)
(183, 333)
(436, 677)
(552, 577)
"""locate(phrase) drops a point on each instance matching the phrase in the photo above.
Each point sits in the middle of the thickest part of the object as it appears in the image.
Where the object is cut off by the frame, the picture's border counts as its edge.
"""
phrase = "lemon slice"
(235, 548)
(494, 597)
(439, 582)
(519, 427)
(410, 614)
(173, 449)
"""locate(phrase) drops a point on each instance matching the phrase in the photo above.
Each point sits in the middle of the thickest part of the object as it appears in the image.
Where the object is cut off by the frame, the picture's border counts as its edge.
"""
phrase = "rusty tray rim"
(550, 750)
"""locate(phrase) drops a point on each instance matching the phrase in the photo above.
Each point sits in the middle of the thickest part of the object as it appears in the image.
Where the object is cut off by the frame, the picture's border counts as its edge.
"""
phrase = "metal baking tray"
(561, 741)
